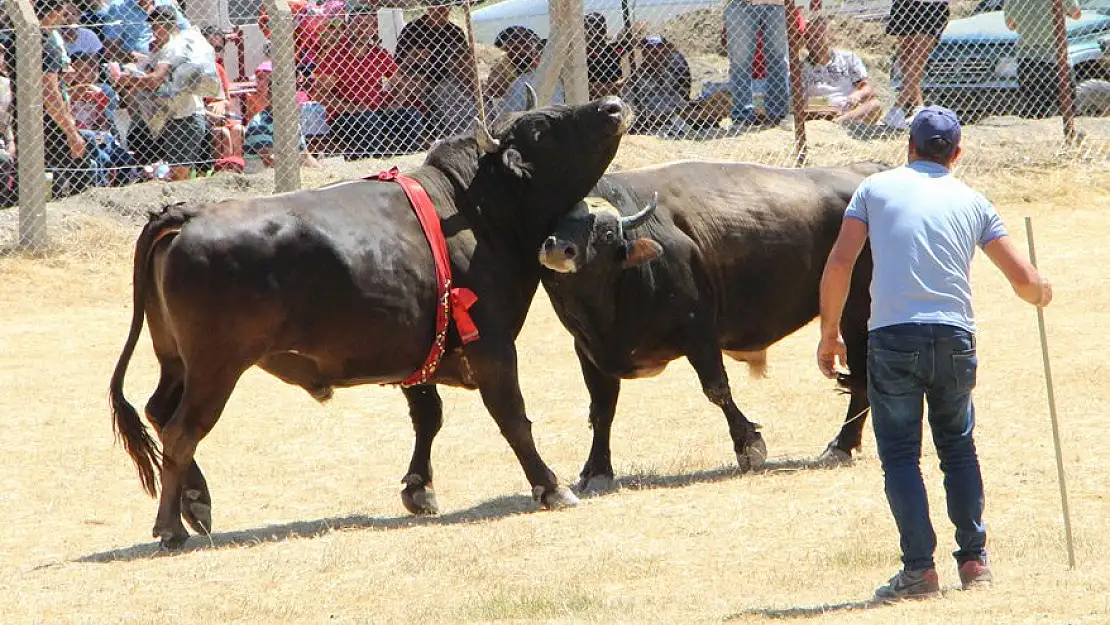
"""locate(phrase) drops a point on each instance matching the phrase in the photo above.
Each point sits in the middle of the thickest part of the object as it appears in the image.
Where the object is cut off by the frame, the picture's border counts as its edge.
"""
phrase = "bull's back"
(330, 269)
(762, 236)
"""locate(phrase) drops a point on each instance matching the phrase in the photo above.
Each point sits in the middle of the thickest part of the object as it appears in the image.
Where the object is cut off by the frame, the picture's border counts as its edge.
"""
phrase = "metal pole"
(797, 87)
(283, 98)
(1052, 411)
(1063, 72)
(29, 112)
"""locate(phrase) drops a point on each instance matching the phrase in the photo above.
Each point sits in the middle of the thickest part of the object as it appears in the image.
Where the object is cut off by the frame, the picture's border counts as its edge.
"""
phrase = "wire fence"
(97, 93)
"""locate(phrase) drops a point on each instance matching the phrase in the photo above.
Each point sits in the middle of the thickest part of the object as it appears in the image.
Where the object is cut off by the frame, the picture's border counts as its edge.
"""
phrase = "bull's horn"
(530, 97)
(486, 142)
(639, 218)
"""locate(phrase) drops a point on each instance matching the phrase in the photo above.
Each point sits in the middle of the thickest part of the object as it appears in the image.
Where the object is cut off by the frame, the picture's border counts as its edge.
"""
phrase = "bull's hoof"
(596, 484)
(752, 457)
(834, 456)
(556, 499)
(197, 511)
(169, 541)
(419, 498)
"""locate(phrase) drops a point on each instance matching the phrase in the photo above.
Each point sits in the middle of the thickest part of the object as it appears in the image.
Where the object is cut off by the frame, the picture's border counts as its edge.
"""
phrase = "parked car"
(973, 69)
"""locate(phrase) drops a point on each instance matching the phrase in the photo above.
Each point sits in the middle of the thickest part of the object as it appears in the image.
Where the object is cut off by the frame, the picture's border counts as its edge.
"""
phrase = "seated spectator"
(448, 72)
(259, 139)
(180, 74)
(350, 83)
(516, 42)
(227, 129)
(659, 88)
(835, 81)
(92, 102)
(527, 60)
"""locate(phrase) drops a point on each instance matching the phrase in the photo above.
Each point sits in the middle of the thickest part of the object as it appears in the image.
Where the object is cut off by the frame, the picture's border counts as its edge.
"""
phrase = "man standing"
(924, 225)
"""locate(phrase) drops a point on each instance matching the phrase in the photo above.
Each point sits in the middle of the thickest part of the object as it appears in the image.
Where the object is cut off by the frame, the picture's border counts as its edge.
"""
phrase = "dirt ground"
(310, 528)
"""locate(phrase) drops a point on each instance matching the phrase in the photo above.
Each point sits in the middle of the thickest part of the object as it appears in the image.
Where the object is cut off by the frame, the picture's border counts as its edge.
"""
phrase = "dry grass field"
(309, 527)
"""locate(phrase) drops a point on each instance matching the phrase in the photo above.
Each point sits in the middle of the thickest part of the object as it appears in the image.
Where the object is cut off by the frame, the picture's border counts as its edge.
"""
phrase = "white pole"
(1052, 410)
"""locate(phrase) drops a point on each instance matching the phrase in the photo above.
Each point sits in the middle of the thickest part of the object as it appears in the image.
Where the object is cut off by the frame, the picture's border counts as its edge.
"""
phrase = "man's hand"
(1046, 293)
(76, 144)
(829, 350)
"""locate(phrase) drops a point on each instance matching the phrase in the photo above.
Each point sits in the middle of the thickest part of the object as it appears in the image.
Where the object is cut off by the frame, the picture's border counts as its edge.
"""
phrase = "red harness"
(451, 301)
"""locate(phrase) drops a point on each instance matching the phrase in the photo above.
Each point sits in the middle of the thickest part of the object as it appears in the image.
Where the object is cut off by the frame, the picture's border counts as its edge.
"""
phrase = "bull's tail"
(127, 425)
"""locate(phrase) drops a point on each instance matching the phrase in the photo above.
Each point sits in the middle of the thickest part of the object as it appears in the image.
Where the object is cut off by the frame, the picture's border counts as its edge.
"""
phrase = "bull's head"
(595, 236)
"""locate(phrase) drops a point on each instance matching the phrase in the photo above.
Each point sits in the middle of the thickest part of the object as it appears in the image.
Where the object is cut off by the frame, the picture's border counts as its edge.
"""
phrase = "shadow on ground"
(805, 611)
(651, 479)
(493, 509)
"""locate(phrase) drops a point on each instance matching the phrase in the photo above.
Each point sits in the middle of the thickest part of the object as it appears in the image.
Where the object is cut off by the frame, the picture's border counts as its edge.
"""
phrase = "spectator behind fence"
(7, 138)
(659, 87)
(170, 94)
(81, 40)
(65, 151)
(350, 83)
(744, 21)
(603, 58)
(528, 48)
(227, 129)
(835, 81)
(127, 34)
(516, 42)
(259, 139)
(1038, 73)
(93, 102)
(448, 71)
(918, 25)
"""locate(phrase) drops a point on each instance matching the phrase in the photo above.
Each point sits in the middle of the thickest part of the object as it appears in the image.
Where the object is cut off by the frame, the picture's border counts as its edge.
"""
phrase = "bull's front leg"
(495, 369)
(426, 411)
(747, 442)
(597, 474)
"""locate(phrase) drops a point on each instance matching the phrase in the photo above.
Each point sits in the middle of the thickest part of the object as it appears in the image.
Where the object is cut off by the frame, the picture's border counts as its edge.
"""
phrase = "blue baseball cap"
(934, 122)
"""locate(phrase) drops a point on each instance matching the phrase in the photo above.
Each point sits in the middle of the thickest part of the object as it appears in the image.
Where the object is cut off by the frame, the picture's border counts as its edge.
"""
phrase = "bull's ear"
(514, 162)
(639, 251)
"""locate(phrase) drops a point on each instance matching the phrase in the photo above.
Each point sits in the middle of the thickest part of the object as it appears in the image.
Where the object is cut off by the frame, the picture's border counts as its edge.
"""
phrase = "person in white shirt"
(180, 75)
(836, 81)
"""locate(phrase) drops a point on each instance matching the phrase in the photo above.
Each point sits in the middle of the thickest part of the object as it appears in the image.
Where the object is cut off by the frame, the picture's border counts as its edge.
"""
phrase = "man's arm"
(56, 107)
(1024, 278)
(864, 92)
(146, 82)
(835, 281)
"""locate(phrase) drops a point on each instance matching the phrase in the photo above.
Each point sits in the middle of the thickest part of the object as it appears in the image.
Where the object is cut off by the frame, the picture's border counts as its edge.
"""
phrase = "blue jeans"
(906, 363)
(742, 22)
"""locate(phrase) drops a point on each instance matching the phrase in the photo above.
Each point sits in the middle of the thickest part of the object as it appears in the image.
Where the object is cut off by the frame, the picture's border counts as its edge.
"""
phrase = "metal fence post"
(29, 140)
(283, 98)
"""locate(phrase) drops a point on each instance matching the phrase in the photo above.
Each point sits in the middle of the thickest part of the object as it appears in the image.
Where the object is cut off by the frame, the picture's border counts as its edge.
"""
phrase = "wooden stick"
(1052, 410)
(797, 87)
(479, 100)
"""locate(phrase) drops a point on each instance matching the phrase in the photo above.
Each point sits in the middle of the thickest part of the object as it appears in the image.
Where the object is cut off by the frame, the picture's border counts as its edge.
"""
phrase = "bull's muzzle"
(558, 255)
(615, 109)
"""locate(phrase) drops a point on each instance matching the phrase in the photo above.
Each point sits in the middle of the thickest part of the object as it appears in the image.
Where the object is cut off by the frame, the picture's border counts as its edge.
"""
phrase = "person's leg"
(740, 36)
(867, 112)
(952, 421)
(772, 20)
(897, 358)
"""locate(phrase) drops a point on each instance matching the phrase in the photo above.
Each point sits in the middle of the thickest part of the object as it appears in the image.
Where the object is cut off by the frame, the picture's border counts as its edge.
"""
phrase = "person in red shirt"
(352, 84)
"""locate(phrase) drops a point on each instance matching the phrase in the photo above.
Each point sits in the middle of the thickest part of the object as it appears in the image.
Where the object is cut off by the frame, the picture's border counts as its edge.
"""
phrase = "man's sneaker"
(910, 585)
(975, 574)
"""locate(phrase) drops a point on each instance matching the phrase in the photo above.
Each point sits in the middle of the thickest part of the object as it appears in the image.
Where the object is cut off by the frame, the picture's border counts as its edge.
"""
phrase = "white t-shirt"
(193, 74)
(86, 43)
(836, 80)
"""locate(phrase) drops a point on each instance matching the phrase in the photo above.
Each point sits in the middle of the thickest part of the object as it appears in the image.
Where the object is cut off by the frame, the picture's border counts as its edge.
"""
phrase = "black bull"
(729, 261)
(336, 287)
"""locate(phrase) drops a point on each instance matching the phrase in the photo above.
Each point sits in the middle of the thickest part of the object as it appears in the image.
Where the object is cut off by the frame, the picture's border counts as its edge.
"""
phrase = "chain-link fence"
(156, 91)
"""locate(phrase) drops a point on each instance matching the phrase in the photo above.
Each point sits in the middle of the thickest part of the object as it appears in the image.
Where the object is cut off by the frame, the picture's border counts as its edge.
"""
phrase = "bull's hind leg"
(747, 442)
(426, 410)
(196, 501)
(597, 474)
(206, 391)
